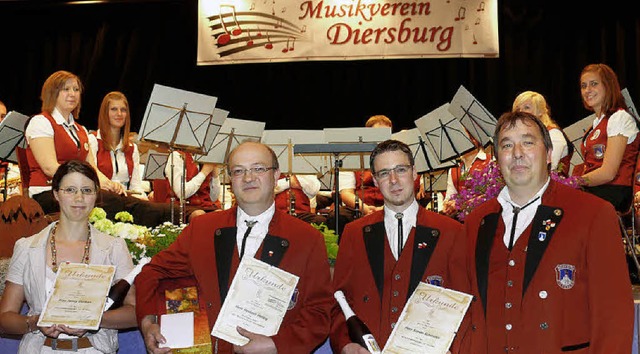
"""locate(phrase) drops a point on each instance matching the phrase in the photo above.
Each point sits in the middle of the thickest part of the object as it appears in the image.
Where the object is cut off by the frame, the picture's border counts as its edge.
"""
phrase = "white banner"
(255, 31)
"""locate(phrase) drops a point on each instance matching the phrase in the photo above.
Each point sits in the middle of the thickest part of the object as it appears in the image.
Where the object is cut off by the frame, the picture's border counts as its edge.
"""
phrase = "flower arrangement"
(142, 241)
(330, 241)
(485, 184)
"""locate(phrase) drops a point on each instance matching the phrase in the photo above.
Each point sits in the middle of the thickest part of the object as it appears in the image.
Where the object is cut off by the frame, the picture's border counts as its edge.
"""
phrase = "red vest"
(201, 197)
(594, 146)
(476, 165)
(103, 158)
(66, 149)
(283, 200)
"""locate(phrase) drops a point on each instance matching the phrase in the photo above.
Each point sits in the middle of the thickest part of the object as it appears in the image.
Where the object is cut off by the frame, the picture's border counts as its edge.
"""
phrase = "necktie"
(71, 128)
(399, 217)
(250, 224)
(516, 211)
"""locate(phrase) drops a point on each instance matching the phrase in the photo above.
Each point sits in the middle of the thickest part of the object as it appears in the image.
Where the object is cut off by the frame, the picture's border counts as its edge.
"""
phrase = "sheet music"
(219, 116)
(232, 133)
(356, 161)
(280, 140)
(178, 118)
(12, 135)
(480, 123)
(154, 167)
(425, 159)
(444, 134)
(629, 102)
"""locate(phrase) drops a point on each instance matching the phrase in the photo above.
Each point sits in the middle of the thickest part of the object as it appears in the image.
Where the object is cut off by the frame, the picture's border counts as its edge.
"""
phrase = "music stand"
(630, 105)
(425, 161)
(575, 133)
(282, 143)
(178, 120)
(444, 134)
(11, 136)
(473, 116)
(219, 116)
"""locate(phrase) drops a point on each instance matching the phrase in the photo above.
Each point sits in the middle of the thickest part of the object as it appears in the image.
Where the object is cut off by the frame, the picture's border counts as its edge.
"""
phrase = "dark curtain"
(131, 45)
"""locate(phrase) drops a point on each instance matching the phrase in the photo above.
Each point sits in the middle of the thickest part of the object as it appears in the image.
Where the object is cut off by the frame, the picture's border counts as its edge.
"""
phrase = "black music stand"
(178, 120)
(11, 136)
(444, 134)
(425, 161)
(575, 132)
(336, 149)
(480, 123)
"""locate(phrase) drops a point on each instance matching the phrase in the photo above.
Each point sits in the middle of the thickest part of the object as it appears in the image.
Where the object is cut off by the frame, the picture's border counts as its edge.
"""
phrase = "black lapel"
(486, 234)
(225, 243)
(543, 226)
(424, 243)
(273, 249)
(374, 236)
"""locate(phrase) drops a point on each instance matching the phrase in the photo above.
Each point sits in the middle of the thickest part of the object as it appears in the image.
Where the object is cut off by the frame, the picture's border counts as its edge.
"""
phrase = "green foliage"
(330, 241)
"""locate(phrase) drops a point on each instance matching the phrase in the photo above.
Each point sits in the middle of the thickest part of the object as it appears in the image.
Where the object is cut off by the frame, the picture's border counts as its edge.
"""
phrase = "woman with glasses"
(36, 259)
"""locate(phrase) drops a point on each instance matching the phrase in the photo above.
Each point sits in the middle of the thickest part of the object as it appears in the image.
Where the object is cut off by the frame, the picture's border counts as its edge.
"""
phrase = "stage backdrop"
(255, 31)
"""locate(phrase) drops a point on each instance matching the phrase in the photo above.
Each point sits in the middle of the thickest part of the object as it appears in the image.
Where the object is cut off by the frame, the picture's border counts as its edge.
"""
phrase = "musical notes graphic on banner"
(268, 45)
(461, 13)
(226, 37)
(481, 6)
(288, 48)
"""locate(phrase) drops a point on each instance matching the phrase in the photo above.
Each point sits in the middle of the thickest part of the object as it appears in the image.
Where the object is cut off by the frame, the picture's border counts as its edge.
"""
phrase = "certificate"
(78, 296)
(429, 321)
(257, 301)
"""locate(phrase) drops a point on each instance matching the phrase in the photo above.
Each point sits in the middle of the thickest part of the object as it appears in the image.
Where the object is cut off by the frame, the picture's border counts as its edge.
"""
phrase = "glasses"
(74, 190)
(399, 170)
(258, 171)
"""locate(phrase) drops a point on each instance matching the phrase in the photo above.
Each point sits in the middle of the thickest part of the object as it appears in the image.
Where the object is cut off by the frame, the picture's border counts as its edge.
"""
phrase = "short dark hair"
(80, 166)
(390, 145)
(509, 119)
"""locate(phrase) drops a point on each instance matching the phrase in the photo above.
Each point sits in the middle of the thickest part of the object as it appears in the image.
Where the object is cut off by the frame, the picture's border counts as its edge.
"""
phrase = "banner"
(260, 31)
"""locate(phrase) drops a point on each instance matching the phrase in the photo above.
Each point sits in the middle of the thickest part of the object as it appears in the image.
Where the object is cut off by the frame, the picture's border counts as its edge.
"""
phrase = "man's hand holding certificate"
(78, 296)
(257, 301)
(429, 321)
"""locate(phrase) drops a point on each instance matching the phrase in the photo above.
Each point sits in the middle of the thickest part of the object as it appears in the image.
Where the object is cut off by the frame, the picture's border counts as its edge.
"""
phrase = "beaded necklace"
(52, 241)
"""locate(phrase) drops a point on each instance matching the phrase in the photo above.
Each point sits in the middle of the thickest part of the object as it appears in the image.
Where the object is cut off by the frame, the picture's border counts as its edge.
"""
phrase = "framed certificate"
(257, 301)
(429, 321)
(78, 296)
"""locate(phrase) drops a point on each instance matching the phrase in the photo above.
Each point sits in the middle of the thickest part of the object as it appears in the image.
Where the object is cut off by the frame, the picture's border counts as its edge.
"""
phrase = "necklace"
(54, 256)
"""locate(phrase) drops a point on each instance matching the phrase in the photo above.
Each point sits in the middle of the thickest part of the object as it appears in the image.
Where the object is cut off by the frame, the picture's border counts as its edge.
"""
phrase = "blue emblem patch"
(435, 280)
(542, 236)
(565, 275)
(294, 299)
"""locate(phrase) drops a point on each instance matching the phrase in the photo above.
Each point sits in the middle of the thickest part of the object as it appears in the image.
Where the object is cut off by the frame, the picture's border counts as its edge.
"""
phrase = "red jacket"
(564, 286)
(375, 284)
(207, 250)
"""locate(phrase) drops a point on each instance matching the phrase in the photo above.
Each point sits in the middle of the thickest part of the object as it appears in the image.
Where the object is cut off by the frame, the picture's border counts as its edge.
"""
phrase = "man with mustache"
(544, 261)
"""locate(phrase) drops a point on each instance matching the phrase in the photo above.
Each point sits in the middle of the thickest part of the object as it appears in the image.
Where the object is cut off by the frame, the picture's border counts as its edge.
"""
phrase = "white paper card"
(177, 329)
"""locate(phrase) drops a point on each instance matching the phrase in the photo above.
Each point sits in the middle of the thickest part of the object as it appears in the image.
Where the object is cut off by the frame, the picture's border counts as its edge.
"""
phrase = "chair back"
(161, 190)
(23, 164)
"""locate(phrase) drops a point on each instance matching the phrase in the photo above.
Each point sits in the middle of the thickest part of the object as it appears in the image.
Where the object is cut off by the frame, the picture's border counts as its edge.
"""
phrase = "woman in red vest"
(54, 137)
(534, 103)
(116, 156)
(610, 147)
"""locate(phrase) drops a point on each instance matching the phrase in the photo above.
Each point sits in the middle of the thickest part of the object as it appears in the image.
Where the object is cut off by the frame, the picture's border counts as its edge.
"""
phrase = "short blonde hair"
(540, 107)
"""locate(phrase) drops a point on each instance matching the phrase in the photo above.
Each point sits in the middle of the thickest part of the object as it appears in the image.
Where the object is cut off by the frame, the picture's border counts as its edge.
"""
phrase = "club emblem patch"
(598, 151)
(422, 245)
(542, 236)
(595, 135)
(565, 275)
(435, 280)
(294, 299)
(548, 224)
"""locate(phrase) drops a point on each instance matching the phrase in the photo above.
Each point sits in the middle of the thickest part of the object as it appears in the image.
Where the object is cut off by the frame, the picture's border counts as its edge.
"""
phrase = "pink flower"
(486, 184)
